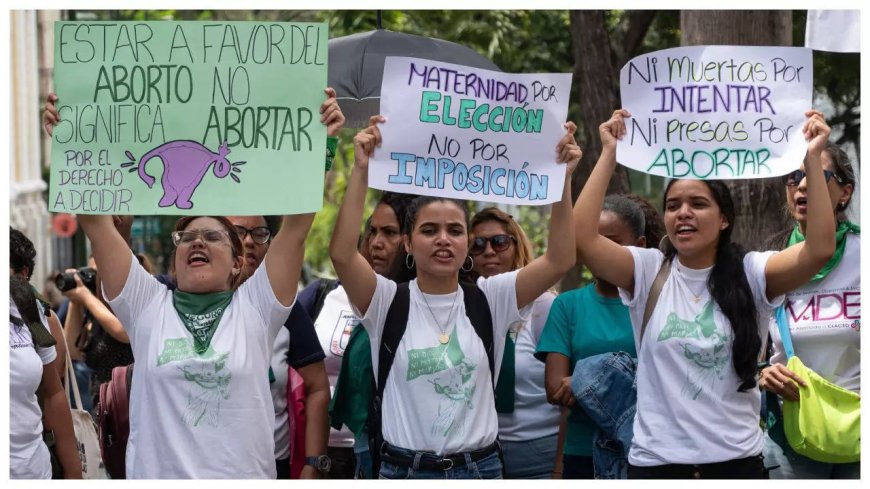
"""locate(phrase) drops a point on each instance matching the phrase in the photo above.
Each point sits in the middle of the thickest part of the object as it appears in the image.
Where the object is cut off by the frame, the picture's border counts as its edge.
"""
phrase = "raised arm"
(355, 273)
(111, 252)
(606, 259)
(546, 270)
(796, 265)
(287, 251)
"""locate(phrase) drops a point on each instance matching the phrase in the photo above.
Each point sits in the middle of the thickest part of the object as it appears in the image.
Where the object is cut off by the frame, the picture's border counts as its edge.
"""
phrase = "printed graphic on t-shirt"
(452, 379)
(18, 338)
(822, 309)
(208, 377)
(341, 334)
(706, 357)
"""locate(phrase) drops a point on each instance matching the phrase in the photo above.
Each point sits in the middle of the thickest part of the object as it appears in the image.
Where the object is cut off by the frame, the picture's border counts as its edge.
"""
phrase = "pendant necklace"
(443, 338)
(696, 298)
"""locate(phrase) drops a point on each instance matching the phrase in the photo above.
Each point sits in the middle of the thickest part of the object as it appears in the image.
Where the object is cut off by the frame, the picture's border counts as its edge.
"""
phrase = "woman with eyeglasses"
(697, 398)
(438, 410)
(824, 316)
(200, 404)
(527, 424)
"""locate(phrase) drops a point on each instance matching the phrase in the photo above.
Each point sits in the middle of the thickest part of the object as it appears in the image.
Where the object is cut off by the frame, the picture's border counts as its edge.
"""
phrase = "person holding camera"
(94, 334)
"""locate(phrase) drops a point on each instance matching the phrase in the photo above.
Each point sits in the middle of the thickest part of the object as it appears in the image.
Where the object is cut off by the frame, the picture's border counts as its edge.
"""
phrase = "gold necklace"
(443, 338)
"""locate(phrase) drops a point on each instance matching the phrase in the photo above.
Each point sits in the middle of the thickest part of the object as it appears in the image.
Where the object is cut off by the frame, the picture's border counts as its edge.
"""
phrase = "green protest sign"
(188, 118)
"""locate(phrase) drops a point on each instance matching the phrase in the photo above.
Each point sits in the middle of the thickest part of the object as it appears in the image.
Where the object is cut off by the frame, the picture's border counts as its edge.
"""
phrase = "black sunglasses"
(795, 177)
(499, 243)
(260, 234)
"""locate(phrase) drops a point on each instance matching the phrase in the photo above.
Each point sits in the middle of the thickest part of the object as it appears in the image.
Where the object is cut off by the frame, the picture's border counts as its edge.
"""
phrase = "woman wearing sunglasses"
(528, 428)
(823, 316)
(200, 405)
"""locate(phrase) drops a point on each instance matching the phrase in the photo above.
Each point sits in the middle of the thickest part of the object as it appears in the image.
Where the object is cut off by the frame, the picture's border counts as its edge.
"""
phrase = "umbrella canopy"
(356, 66)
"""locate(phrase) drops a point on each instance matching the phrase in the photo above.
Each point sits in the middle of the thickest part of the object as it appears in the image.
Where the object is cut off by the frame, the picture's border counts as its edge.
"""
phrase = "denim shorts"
(488, 467)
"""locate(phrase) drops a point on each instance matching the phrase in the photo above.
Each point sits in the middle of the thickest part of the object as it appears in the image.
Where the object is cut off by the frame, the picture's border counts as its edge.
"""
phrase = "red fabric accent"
(296, 410)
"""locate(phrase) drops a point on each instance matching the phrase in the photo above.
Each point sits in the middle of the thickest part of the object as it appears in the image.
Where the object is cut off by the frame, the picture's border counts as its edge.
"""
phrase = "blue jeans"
(792, 465)
(605, 388)
(488, 467)
(577, 467)
(531, 459)
(363, 469)
(83, 378)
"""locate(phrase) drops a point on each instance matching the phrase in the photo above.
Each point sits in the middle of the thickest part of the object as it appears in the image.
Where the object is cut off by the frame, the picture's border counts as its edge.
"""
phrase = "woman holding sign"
(697, 399)
(823, 317)
(200, 405)
(435, 375)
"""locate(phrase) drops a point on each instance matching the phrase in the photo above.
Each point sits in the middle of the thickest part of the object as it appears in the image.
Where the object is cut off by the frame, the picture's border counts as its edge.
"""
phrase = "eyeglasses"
(499, 243)
(795, 177)
(211, 236)
(260, 234)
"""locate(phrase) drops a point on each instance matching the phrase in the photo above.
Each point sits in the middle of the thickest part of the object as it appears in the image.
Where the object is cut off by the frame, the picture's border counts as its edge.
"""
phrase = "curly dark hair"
(22, 255)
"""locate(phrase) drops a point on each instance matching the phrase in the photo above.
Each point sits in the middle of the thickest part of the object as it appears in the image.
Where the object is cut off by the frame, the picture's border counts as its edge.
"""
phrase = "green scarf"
(201, 314)
(843, 229)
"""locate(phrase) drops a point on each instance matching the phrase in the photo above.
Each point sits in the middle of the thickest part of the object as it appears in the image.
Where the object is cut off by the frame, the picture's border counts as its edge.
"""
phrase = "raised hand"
(816, 132)
(331, 114)
(365, 142)
(50, 115)
(613, 129)
(568, 150)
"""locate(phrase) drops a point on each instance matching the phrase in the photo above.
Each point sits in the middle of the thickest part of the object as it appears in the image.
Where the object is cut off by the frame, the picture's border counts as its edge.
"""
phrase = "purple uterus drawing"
(185, 164)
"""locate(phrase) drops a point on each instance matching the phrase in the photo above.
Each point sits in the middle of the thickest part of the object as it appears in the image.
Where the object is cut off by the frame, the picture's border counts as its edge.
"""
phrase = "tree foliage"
(528, 41)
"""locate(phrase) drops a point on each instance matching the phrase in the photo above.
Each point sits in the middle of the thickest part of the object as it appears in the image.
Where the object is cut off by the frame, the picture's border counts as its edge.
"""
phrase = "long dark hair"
(730, 289)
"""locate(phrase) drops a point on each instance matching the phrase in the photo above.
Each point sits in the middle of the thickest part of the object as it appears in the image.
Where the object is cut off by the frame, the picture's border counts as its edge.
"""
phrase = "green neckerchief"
(843, 229)
(201, 314)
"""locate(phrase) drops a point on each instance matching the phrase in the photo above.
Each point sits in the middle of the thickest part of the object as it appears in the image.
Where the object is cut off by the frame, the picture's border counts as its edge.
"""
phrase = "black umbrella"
(356, 66)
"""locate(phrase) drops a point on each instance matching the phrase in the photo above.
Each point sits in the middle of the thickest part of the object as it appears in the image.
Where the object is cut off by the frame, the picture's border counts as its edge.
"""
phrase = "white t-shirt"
(28, 455)
(533, 416)
(204, 416)
(825, 319)
(279, 394)
(333, 325)
(688, 408)
(440, 398)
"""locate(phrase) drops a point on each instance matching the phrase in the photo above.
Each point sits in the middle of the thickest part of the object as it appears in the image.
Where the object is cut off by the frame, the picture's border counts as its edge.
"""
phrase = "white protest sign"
(467, 133)
(716, 112)
(837, 31)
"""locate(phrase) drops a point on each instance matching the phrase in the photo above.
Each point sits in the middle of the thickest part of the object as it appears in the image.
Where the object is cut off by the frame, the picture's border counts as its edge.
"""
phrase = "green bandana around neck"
(843, 229)
(201, 314)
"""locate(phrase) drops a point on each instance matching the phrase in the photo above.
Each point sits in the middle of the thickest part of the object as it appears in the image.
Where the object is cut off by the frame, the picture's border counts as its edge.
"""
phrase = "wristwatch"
(321, 462)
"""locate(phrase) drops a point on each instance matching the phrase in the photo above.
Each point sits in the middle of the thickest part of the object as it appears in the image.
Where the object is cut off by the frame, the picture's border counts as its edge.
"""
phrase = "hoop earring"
(470, 264)
(409, 265)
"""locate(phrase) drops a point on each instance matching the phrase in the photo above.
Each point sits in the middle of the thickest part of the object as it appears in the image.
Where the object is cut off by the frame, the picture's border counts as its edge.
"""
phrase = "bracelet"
(331, 147)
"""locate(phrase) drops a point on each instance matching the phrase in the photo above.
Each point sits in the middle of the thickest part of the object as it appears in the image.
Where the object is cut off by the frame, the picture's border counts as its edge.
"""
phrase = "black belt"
(431, 461)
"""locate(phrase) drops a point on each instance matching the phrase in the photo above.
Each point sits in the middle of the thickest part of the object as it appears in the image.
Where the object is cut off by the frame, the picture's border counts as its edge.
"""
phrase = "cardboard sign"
(468, 133)
(189, 118)
(716, 112)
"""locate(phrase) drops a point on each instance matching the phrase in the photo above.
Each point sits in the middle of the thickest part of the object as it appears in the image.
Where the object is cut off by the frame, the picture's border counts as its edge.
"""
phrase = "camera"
(66, 281)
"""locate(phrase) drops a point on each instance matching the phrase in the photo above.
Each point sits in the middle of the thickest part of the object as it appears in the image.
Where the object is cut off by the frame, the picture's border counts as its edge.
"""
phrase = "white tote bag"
(87, 441)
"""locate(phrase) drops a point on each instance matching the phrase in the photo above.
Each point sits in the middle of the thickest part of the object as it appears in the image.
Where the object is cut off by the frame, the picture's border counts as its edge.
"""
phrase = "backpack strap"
(394, 328)
(654, 293)
(784, 332)
(477, 310)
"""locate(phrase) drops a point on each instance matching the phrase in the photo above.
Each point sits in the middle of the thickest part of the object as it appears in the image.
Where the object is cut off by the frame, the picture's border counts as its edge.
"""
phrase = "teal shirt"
(582, 324)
